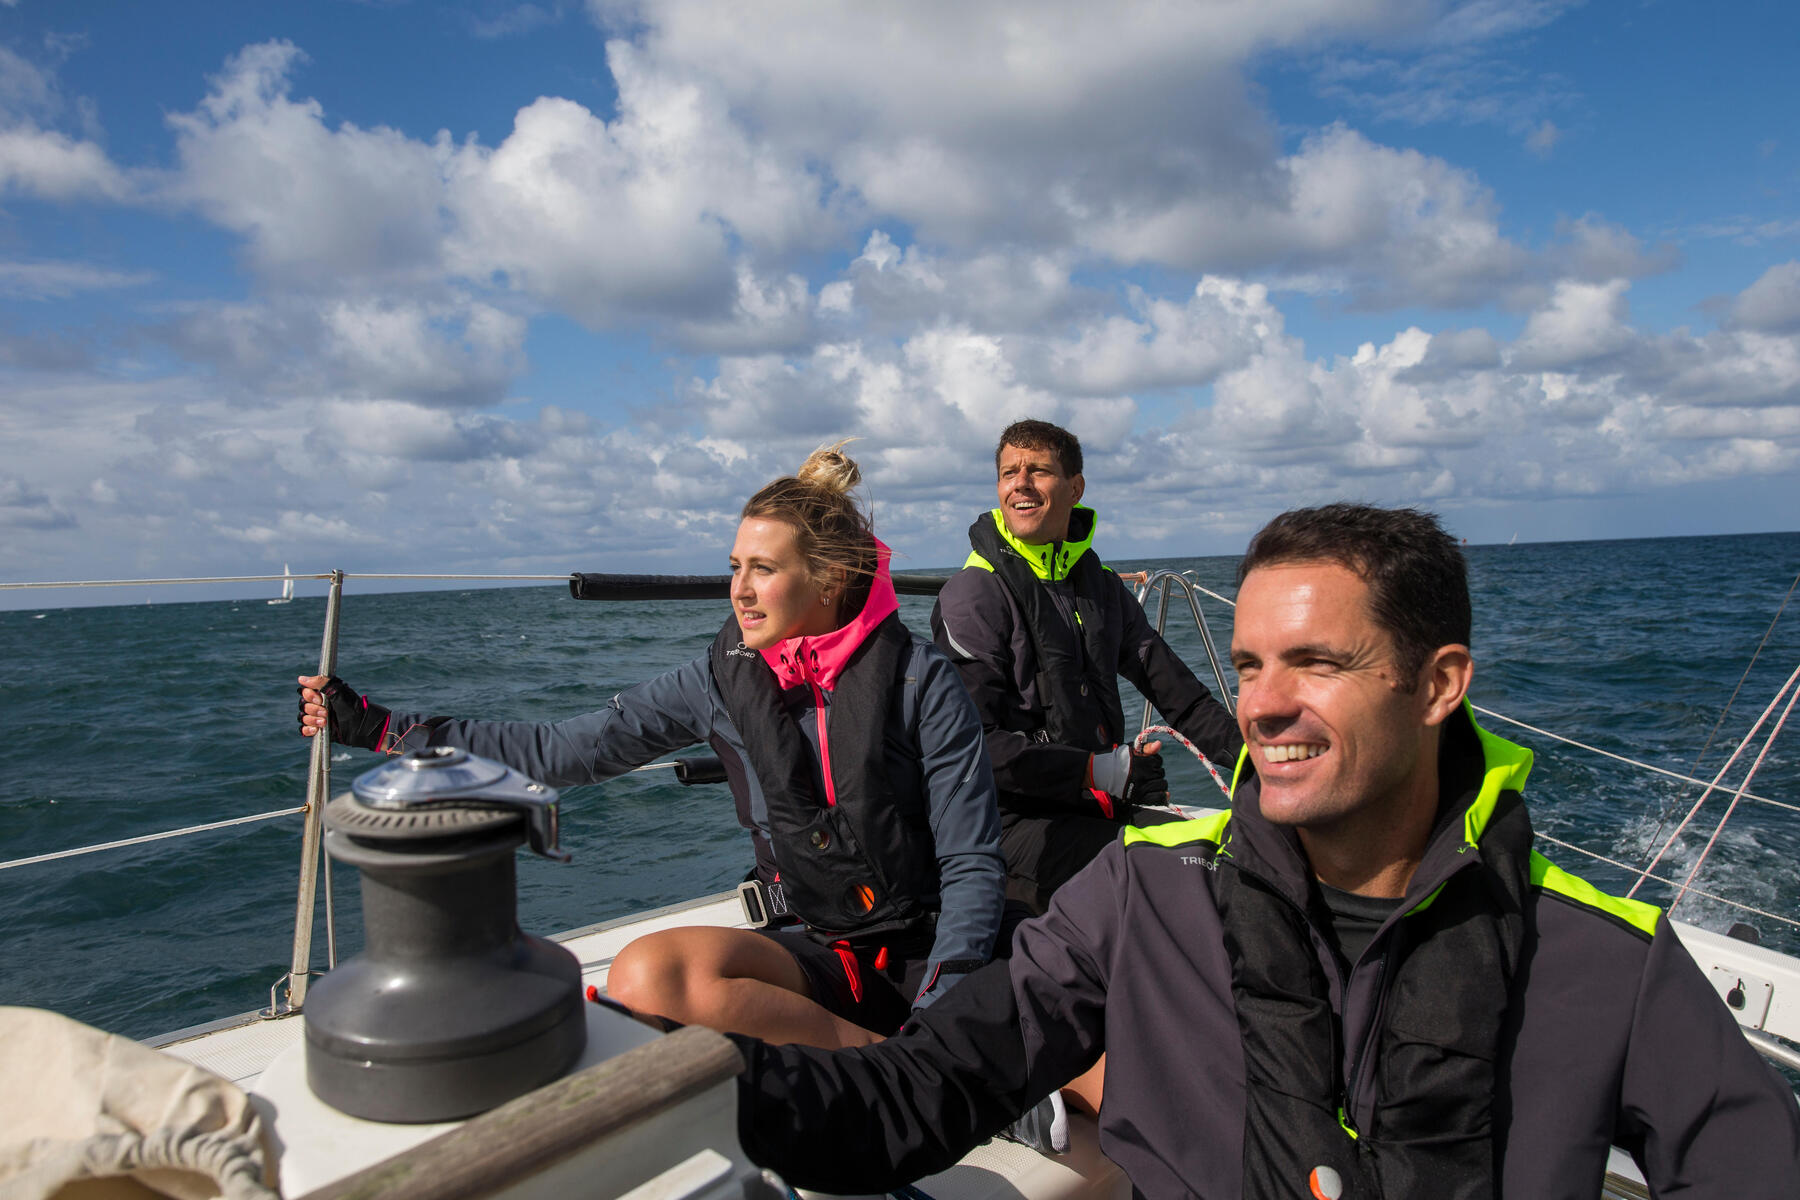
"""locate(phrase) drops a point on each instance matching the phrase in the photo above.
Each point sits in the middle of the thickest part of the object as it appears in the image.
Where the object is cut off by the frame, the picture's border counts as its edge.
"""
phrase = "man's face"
(1334, 730)
(1036, 497)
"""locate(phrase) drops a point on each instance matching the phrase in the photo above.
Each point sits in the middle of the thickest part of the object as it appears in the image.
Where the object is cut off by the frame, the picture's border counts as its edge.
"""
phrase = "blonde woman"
(854, 754)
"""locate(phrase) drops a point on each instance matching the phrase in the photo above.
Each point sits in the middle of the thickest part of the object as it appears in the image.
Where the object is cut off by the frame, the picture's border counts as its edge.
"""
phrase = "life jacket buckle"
(764, 904)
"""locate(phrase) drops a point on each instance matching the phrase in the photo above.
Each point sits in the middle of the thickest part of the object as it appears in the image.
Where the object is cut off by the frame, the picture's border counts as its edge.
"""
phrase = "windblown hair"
(1417, 576)
(1042, 435)
(834, 532)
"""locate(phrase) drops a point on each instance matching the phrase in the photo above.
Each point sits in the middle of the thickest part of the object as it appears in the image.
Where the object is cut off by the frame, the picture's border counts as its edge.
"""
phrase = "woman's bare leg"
(1086, 1088)
(727, 979)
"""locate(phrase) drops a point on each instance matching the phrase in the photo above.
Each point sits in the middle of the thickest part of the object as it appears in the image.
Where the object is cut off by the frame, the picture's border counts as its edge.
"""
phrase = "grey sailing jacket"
(1613, 1037)
(935, 756)
(979, 626)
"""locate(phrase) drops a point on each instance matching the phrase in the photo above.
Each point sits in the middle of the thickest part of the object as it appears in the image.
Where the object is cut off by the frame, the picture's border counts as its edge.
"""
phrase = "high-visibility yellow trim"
(1210, 828)
(1050, 562)
(1507, 765)
(1424, 904)
(1237, 772)
(1635, 913)
(1344, 1124)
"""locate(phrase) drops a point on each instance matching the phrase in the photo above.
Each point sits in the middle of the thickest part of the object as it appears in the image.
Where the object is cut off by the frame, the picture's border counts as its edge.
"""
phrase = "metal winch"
(450, 1009)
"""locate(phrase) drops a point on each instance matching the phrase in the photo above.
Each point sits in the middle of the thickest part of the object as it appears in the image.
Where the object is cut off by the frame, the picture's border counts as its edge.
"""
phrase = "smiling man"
(1040, 631)
(1363, 981)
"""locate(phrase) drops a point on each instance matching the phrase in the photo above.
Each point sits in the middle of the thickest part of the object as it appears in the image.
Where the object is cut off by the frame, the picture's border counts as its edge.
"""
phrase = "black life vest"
(858, 870)
(1075, 679)
(1444, 989)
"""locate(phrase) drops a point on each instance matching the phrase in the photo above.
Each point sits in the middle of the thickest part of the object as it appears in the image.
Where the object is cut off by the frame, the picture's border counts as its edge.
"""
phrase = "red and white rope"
(1138, 744)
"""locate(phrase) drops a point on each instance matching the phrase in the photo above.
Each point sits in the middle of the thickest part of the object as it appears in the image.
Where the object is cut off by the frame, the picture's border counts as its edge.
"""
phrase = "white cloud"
(1166, 344)
(1177, 166)
(601, 218)
(315, 204)
(1772, 303)
(22, 507)
(454, 352)
(1395, 226)
(892, 287)
(1583, 322)
(57, 280)
(54, 166)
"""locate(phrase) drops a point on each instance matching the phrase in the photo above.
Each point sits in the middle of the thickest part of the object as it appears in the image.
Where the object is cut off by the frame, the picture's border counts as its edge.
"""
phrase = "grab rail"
(1161, 582)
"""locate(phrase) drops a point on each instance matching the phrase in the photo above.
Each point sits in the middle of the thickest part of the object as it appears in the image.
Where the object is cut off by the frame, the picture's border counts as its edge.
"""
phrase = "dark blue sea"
(131, 720)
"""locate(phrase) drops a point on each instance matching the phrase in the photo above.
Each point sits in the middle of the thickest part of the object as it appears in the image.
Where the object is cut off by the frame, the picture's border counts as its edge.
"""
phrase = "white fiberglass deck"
(243, 1048)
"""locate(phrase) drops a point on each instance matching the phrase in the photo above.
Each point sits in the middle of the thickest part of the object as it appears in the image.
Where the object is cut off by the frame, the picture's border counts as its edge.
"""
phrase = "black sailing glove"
(353, 720)
(1132, 777)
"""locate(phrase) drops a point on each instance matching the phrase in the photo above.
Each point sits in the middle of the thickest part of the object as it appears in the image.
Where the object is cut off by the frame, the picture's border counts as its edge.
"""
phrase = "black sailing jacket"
(1610, 1036)
(979, 624)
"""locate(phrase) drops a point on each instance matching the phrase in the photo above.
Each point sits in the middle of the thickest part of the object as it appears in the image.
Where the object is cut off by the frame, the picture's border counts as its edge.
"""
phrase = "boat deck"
(1763, 987)
(242, 1048)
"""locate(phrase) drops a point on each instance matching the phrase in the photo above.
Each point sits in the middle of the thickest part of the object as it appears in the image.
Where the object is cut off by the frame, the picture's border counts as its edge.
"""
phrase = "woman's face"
(772, 595)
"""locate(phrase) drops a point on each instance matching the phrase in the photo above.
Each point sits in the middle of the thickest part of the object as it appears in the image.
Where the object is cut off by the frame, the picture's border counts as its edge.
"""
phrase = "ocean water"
(136, 719)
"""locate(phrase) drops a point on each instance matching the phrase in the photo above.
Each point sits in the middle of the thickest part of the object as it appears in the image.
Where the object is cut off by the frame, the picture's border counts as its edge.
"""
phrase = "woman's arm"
(965, 823)
(637, 726)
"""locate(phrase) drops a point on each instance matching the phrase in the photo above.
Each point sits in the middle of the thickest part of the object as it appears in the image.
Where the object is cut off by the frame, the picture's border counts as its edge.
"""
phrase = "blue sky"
(553, 286)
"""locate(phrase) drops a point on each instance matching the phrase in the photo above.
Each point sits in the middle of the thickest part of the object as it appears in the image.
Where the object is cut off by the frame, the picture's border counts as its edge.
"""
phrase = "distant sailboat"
(287, 586)
(1512, 539)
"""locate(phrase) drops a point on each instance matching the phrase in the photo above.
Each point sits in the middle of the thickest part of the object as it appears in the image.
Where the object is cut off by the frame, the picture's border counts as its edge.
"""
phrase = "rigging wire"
(1732, 807)
(1630, 762)
(1721, 775)
(1669, 809)
(1767, 633)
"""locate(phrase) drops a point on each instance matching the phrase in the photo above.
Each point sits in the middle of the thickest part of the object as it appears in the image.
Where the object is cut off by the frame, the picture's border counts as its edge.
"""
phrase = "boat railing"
(1162, 583)
(641, 587)
(582, 586)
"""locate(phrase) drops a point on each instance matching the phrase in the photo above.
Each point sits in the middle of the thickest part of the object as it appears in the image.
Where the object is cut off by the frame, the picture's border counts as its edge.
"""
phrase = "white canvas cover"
(87, 1115)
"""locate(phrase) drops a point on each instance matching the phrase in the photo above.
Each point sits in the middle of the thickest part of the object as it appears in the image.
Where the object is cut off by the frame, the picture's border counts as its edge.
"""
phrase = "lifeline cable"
(1669, 809)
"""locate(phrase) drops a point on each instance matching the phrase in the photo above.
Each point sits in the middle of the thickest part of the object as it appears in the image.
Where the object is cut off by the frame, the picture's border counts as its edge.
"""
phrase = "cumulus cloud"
(599, 218)
(1582, 323)
(313, 203)
(1178, 166)
(456, 352)
(1163, 343)
(889, 287)
(1455, 417)
(904, 228)
(1772, 303)
(23, 508)
(1393, 226)
(53, 166)
(1593, 249)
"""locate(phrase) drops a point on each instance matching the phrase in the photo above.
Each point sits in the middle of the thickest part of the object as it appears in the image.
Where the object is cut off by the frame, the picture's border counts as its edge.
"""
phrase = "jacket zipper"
(1380, 993)
(1339, 1034)
(1337, 1024)
(824, 739)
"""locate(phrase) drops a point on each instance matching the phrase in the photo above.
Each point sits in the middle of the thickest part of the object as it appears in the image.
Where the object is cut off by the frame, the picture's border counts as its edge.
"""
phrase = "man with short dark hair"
(1041, 631)
(1361, 982)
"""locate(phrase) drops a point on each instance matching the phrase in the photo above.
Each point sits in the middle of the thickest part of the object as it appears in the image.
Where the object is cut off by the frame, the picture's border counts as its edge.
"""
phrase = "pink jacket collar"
(801, 660)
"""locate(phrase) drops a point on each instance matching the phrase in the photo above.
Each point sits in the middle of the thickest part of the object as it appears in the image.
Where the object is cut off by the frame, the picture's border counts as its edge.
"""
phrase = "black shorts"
(865, 985)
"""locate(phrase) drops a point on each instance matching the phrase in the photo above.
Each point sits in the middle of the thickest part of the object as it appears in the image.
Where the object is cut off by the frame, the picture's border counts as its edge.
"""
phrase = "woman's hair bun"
(830, 468)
